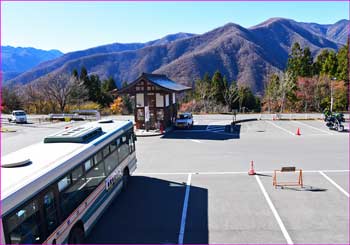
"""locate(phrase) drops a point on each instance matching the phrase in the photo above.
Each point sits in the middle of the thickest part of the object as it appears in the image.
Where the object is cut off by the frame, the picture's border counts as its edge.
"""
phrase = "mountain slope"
(338, 32)
(245, 55)
(52, 65)
(18, 60)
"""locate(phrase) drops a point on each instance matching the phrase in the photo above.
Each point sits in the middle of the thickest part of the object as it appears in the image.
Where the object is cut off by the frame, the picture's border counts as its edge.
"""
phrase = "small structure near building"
(155, 100)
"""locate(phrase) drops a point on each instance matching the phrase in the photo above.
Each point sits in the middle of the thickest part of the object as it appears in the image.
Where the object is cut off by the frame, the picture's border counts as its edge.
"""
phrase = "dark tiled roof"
(164, 82)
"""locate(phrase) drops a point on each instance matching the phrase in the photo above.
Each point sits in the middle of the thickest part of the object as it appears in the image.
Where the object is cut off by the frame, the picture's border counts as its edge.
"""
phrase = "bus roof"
(48, 161)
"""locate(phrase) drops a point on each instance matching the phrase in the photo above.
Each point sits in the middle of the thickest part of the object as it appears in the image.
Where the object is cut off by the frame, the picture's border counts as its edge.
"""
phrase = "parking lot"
(192, 186)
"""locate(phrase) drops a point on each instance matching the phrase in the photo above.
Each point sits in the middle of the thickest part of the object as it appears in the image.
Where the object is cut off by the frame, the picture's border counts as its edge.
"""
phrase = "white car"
(18, 116)
(184, 120)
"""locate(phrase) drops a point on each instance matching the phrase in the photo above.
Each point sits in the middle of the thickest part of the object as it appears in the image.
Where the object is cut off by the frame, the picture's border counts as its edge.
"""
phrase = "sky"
(71, 26)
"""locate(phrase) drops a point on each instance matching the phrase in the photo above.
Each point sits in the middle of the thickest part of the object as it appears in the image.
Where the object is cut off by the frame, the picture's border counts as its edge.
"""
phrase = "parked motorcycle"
(334, 121)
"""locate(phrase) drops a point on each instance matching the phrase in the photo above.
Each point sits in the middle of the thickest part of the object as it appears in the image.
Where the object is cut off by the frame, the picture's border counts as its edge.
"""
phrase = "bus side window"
(64, 182)
(111, 162)
(77, 174)
(106, 151)
(72, 196)
(123, 148)
(50, 212)
(24, 225)
(96, 174)
(98, 157)
(88, 164)
(113, 145)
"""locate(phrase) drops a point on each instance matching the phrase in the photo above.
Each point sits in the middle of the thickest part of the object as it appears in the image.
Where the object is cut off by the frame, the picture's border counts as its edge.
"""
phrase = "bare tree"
(204, 92)
(286, 86)
(34, 98)
(230, 94)
(11, 99)
(242, 90)
(62, 89)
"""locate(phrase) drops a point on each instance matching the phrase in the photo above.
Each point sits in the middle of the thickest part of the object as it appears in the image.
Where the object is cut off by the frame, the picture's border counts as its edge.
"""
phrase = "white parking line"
(184, 211)
(241, 172)
(273, 209)
(335, 184)
(307, 125)
(215, 126)
(217, 130)
(331, 170)
(285, 130)
(197, 141)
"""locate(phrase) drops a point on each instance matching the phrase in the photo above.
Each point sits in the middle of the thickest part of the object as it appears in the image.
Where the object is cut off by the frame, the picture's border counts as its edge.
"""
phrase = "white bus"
(54, 191)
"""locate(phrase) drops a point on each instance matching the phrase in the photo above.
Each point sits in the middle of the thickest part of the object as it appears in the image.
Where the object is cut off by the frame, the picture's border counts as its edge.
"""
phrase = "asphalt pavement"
(192, 186)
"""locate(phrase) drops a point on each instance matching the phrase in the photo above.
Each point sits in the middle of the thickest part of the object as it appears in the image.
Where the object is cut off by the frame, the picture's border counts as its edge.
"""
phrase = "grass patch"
(6, 130)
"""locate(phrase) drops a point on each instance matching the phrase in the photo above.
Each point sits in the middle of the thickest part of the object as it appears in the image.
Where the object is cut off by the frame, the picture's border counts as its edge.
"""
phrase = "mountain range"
(16, 60)
(246, 55)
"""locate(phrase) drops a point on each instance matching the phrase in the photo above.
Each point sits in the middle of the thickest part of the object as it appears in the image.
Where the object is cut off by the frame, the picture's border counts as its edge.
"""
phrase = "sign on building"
(146, 113)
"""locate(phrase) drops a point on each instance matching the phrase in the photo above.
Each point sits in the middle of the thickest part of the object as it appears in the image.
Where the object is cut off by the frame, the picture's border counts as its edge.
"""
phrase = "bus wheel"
(76, 236)
(126, 176)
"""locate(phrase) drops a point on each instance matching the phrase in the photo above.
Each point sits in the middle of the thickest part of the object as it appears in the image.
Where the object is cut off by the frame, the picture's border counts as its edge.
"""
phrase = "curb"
(155, 134)
(148, 135)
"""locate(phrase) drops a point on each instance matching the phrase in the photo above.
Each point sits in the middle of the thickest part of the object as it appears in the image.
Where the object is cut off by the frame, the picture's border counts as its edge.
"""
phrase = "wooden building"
(155, 100)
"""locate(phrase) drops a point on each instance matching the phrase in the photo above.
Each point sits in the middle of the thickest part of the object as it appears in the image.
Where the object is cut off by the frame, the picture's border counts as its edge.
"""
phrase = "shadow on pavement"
(203, 132)
(264, 175)
(150, 211)
(246, 120)
(304, 188)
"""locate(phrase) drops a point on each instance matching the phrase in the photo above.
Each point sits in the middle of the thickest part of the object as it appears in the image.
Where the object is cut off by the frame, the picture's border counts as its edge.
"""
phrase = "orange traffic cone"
(298, 132)
(251, 170)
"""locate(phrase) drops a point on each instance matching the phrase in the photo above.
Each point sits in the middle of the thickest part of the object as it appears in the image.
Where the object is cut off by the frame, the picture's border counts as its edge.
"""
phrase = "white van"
(18, 116)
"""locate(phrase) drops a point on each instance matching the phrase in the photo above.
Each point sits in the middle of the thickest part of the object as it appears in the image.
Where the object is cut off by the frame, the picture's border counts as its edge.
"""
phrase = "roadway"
(192, 186)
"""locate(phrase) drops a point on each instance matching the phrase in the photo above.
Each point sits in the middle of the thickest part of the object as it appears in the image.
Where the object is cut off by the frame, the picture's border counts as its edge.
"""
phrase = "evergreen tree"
(306, 63)
(249, 99)
(127, 101)
(320, 60)
(108, 85)
(75, 74)
(295, 60)
(330, 65)
(217, 87)
(207, 78)
(105, 99)
(94, 88)
(83, 74)
(300, 62)
(343, 64)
